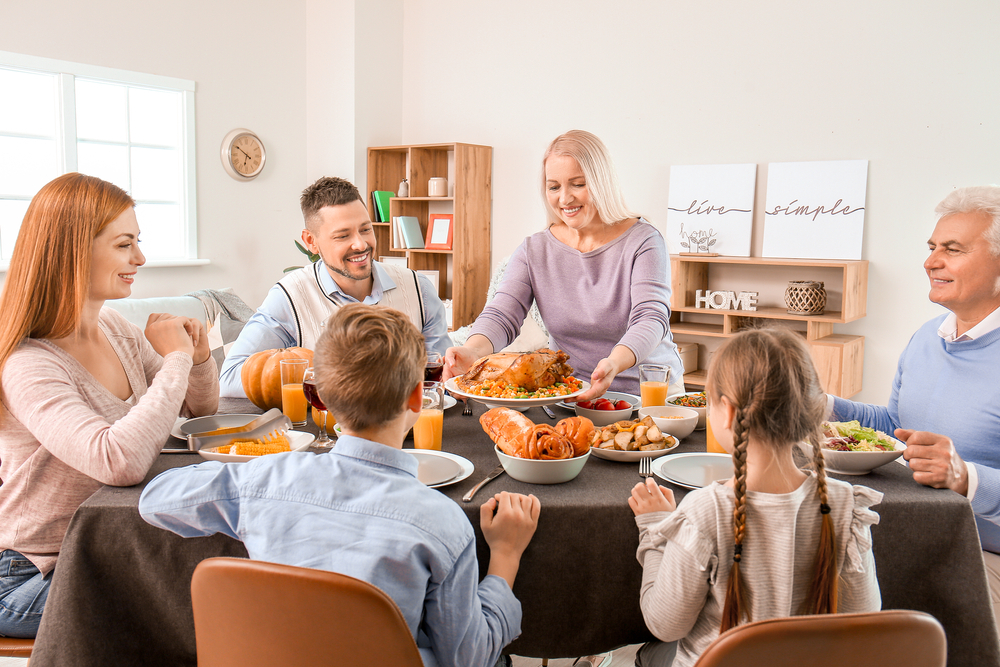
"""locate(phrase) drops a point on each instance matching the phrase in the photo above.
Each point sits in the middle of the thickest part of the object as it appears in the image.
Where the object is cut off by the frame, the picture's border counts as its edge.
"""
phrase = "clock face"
(243, 155)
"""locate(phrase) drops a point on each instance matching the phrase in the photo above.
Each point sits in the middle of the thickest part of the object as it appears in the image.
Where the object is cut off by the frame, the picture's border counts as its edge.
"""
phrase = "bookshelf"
(463, 271)
(839, 358)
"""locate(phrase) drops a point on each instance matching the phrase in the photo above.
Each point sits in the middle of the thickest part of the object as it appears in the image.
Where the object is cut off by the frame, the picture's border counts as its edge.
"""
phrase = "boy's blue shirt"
(360, 511)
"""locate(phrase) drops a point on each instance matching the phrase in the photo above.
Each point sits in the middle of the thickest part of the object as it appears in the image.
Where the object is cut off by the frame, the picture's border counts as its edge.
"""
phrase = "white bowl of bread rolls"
(538, 453)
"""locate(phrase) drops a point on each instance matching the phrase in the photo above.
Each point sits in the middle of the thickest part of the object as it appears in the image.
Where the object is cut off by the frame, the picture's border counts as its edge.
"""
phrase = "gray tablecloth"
(121, 590)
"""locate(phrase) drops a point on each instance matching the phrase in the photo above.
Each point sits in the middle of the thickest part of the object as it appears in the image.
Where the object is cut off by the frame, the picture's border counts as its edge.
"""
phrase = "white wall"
(909, 86)
(247, 61)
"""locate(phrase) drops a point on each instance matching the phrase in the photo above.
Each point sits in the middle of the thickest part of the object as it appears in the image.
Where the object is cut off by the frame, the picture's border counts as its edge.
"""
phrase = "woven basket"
(805, 297)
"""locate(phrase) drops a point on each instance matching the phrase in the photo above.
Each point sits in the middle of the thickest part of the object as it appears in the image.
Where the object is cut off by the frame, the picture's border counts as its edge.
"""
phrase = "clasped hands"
(648, 496)
(934, 461)
(171, 333)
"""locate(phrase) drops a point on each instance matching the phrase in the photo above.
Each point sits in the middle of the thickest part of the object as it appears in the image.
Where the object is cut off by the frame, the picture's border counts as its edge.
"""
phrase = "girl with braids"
(773, 540)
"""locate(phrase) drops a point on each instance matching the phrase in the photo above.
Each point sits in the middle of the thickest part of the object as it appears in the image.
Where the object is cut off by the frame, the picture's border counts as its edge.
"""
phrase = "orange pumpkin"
(261, 375)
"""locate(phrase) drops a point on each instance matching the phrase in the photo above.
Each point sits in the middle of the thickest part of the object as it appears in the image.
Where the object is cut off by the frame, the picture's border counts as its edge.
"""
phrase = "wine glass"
(323, 440)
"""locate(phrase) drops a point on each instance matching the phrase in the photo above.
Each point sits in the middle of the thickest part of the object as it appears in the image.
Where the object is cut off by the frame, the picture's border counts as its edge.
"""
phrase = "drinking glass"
(654, 381)
(434, 367)
(430, 423)
(711, 444)
(293, 399)
(323, 440)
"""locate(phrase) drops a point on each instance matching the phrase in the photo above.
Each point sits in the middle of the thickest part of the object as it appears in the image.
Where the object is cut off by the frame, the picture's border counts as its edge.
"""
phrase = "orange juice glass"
(427, 430)
(430, 424)
(711, 444)
(654, 380)
(293, 399)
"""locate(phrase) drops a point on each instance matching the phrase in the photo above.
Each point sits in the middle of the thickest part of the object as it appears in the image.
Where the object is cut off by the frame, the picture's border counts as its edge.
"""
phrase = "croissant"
(516, 435)
(579, 431)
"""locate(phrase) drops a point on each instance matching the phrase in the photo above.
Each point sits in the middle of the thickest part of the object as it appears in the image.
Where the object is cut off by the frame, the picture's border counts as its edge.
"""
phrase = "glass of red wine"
(434, 367)
(323, 440)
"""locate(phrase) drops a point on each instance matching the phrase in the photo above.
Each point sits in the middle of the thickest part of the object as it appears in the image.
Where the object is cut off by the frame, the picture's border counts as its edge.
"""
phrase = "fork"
(467, 410)
(645, 467)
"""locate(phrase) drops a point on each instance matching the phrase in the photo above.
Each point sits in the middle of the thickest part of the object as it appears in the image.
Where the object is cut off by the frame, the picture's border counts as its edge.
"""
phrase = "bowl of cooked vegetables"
(852, 449)
(694, 400)
(678, 422)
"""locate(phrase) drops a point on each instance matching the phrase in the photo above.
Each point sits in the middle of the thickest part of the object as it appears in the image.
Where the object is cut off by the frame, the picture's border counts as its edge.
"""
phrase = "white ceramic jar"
(437, 187)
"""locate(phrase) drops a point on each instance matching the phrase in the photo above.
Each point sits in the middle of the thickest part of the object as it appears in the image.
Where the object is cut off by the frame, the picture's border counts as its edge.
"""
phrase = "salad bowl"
(856, 462)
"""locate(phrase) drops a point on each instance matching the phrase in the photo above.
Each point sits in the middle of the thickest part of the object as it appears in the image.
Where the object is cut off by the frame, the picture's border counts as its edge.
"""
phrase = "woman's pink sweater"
(63, 434)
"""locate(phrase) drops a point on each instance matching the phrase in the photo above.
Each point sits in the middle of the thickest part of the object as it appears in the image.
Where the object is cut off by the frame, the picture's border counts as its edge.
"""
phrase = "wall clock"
(243, 154)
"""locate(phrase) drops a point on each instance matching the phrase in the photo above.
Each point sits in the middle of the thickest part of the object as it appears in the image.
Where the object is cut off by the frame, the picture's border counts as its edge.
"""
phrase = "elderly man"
(946, 391)
(338, 228)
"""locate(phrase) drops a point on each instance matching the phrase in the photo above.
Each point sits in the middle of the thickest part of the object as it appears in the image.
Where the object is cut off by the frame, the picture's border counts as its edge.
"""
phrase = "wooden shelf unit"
(839, 358)
(463, 271)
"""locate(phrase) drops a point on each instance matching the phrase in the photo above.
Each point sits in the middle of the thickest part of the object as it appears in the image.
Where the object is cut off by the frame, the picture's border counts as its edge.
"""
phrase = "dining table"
(121, 588)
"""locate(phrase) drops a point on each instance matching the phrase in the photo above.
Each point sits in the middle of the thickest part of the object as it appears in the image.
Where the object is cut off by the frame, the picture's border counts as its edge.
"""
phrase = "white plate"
(517, 403)
(465, 465)
(694, 470)
(632, 457)
(298, 440)
(449, 401)
(176, 430)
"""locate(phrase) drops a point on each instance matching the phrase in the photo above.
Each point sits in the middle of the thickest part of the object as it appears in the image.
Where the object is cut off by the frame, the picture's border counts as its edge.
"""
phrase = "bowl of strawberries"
(610, 408)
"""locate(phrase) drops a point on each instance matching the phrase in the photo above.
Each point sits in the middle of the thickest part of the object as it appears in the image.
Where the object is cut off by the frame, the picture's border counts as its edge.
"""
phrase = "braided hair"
(768, 377)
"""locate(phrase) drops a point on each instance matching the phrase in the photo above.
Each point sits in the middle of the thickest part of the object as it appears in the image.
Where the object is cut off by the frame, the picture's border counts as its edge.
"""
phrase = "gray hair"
(599, 171)
(976, 199)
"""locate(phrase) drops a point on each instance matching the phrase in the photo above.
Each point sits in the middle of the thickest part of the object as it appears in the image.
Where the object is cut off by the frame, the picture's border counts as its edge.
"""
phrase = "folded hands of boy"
(509, 530)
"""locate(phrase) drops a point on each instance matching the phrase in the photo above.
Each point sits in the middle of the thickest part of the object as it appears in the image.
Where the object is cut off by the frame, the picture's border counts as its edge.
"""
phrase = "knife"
(496, 473)
(547, 410)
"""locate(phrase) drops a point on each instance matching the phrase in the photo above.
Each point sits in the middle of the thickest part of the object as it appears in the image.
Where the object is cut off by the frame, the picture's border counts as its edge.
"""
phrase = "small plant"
(313, 257)
(698, 240)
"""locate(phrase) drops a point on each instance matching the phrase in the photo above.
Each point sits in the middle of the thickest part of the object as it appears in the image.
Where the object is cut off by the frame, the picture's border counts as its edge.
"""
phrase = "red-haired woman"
(88, 398)
(772, 541)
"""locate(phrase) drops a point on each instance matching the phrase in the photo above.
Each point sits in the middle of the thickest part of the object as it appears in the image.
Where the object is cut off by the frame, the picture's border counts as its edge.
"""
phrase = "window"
(135, 130)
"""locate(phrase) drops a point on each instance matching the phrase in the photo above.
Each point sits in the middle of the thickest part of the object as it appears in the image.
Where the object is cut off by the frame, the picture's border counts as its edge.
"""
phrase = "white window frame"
(66, 137)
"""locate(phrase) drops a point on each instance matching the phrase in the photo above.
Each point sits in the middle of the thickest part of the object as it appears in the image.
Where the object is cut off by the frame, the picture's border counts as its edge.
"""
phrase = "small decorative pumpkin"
(261, 375)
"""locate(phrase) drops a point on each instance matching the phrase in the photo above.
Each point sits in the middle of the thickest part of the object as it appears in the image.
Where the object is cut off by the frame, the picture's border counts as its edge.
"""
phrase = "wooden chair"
(250, 613)
(875, 639)
(11, 647)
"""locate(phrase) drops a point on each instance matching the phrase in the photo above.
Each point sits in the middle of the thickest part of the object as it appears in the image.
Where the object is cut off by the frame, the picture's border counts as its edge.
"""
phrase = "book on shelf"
(381, 198)
(409, 227)
(397, 235)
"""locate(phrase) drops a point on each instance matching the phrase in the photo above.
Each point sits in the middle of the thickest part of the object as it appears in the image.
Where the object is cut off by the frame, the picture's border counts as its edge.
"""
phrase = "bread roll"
(516, 435)
(579, 431)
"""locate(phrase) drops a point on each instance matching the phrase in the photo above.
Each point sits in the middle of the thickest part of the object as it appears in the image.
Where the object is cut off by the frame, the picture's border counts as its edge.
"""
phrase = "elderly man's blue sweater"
(952, 389)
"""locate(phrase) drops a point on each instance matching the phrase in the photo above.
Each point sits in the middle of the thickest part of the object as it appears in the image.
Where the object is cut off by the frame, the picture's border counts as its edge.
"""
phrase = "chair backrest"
(250, 613)
(875, 639)
(11, 647)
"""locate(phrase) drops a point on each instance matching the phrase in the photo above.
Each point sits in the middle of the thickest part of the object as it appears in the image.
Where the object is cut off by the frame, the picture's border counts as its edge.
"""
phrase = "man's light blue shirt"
(272, 327)
(360, 511)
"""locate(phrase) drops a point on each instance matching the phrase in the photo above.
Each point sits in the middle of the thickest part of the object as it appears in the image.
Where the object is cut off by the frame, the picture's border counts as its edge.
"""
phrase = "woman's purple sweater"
(591, 301)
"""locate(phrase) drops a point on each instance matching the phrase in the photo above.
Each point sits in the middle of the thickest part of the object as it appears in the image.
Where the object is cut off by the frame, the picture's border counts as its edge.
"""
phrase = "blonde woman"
(599, 273)
(88, 398)
(772, 541)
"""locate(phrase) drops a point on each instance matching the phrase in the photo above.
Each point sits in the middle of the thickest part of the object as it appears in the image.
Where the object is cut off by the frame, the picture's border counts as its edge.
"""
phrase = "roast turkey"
(531, 370)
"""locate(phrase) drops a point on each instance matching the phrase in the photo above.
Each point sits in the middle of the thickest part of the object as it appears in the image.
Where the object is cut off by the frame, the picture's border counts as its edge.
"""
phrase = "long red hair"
(769, 377)
(49, 276)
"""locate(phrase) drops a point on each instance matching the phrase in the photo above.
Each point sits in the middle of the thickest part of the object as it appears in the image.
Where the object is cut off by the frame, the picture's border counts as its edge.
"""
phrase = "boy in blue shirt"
(360, 510)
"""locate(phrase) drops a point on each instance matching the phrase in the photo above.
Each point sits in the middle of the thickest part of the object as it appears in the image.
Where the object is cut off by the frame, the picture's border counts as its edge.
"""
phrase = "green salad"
(853, 437)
